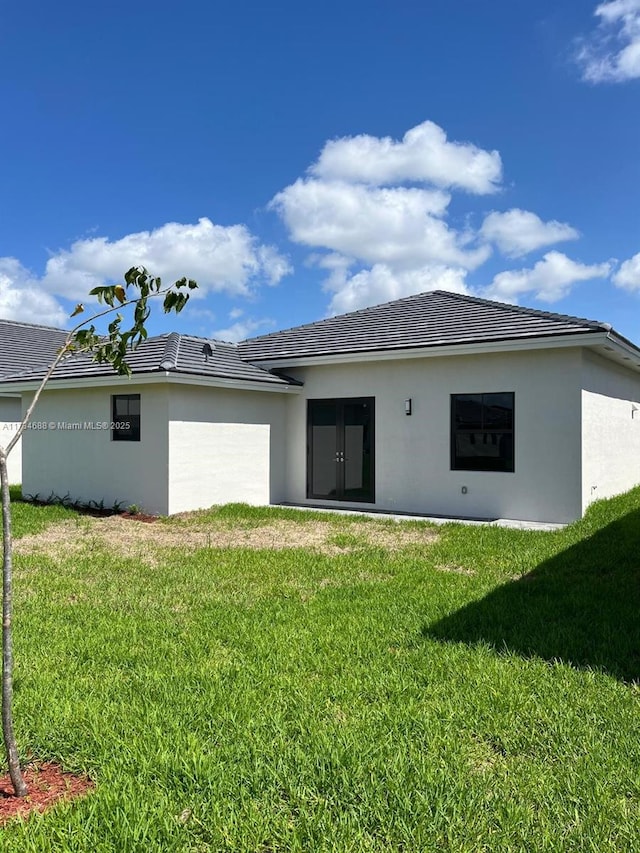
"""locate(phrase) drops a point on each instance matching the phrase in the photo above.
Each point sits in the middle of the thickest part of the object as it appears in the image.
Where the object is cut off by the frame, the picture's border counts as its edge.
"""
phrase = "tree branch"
(64, 353)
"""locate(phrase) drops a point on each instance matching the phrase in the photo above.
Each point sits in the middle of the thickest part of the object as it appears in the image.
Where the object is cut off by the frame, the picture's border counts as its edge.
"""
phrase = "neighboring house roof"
(170, 353)
(432, 319)
(26, 346)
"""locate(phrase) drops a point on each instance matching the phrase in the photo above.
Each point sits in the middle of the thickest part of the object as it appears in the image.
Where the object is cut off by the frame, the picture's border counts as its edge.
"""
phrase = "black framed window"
(125, 417)
(482, 432)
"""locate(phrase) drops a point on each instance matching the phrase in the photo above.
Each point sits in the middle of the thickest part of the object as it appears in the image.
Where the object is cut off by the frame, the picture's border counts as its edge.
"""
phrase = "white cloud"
(379, 237)
(424, 154)
(628, 276)
(272, 264)
(612, 52)
(549, 280)
(517, 232)
(220, 258)
(242, 329)
(380, 242)
(397, 225)
(22, 297)
(382, 284)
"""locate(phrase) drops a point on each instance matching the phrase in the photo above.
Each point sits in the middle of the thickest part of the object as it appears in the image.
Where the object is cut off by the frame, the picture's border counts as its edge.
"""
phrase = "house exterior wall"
(14, 461)
(85, 463)
(225, 446)
(610, 428)
(10, 414)
(199, 446)
(10, 409)
(575, 428)
(412, 453)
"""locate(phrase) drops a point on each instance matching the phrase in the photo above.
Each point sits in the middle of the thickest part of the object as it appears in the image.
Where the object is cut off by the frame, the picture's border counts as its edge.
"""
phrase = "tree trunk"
(7, 641)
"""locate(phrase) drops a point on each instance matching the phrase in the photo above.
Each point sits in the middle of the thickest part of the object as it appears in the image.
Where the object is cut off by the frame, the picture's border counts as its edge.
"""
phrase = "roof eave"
(155, 378)
(596, 338)
(621, 350)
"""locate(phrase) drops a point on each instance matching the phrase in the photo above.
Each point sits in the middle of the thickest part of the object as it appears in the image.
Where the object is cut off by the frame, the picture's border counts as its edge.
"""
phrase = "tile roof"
(173, 353)
(26, 346)
(436, 318)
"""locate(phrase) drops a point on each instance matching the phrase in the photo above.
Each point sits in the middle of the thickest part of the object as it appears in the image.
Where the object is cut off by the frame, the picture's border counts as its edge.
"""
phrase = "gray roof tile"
(174, 353)
(432, 319)
(26, 346)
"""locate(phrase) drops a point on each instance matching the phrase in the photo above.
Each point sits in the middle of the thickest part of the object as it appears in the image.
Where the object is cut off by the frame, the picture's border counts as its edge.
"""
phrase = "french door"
(340, 449)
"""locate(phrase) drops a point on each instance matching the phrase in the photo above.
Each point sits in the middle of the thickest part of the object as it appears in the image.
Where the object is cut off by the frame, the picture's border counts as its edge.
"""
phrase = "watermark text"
(68, 426)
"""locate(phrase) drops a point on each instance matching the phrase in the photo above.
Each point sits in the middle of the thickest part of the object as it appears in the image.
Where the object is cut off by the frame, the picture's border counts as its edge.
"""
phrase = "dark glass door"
(340, 449)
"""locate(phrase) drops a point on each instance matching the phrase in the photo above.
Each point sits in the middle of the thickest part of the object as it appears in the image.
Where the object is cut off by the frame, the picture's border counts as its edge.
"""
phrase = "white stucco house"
(21, 345)
(436, 404)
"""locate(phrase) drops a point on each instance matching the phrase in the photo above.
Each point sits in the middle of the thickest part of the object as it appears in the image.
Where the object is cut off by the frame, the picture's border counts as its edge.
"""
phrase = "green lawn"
(473, 692)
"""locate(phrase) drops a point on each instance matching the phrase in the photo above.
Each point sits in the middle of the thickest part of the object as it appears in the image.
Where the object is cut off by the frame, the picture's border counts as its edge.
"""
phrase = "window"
(125, 416)
(482, 432)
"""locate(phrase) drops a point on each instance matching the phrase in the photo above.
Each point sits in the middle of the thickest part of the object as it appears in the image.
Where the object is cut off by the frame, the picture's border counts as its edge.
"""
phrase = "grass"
(477, 692)
(31, 518)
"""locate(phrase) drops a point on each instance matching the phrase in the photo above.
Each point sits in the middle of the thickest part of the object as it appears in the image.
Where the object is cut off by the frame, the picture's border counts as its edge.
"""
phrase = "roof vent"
(207, 350)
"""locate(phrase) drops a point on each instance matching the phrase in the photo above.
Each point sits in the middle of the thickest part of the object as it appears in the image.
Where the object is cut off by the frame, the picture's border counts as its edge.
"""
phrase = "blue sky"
(306, 159)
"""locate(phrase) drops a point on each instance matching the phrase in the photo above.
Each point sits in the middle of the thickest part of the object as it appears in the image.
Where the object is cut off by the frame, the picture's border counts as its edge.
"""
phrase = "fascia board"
(237, 384)
(580, 340)
(624, 349)
(151, 379)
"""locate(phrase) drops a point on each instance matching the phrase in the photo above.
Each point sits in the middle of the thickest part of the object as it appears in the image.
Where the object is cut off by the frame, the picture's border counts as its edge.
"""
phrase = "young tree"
(113, 349)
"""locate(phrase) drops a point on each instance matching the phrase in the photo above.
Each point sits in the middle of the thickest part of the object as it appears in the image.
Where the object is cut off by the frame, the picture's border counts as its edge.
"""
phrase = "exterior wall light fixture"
(407, 406)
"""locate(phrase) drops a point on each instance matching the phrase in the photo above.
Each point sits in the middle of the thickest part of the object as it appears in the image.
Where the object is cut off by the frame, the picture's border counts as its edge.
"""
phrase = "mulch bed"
(48, 784)
(95, 511)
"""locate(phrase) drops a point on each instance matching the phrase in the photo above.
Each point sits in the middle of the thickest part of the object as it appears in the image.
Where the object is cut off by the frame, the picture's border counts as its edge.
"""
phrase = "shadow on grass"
(581, 606)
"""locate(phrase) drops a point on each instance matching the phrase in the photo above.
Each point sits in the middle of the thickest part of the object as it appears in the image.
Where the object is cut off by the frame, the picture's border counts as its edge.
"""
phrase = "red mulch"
(47, 785)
